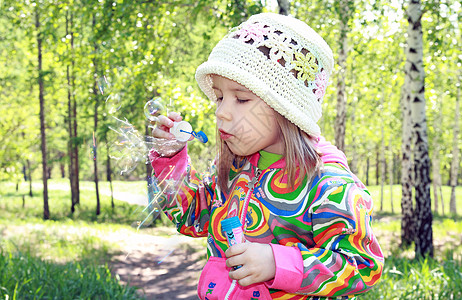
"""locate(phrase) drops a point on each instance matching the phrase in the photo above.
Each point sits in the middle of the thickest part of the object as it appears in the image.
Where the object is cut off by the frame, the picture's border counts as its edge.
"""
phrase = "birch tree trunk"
(436, 158)
(382, 154)
(284, 7)
(407, 209)
(436, 176)
(46, 209)
(70, 125)
(75, 146)
(390, 173)
(95, 123)
(345, 12)
(109, 173)
(29, 177)
(455, 155)
(415, 71)
(377, 167)
(367, 171)
(354, 147)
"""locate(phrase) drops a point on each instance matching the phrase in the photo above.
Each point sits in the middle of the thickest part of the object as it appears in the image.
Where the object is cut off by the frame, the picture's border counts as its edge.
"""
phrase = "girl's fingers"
(162, 129)
(162, 133)
(164, 121)
(173, 115)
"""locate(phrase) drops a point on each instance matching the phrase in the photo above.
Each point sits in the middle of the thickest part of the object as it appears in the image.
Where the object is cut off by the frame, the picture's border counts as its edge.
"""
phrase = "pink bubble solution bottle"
(232, 228)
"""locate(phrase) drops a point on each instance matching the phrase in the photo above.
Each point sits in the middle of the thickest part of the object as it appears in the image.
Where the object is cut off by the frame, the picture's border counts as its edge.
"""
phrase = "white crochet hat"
(280, 59)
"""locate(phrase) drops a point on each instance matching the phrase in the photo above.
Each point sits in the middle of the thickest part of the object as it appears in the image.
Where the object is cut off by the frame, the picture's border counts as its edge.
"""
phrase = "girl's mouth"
(224, 135)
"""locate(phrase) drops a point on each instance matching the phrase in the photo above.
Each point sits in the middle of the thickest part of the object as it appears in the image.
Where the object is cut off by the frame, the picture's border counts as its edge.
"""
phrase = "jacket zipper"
(250, 185)
(231, 289)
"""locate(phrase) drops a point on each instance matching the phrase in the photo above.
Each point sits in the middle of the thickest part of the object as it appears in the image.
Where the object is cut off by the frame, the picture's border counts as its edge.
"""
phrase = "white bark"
(340, 120)
(382, 155)
(455, 154)
(415, 71)
(284, 7)
(407, 209)
(436, 161)
(390, 173)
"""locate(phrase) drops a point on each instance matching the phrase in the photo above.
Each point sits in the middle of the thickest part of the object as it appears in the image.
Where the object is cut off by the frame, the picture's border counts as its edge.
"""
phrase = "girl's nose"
(223, 111)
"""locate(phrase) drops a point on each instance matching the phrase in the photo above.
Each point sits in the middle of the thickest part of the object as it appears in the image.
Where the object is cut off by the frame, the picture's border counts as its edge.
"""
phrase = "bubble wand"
(181, 130)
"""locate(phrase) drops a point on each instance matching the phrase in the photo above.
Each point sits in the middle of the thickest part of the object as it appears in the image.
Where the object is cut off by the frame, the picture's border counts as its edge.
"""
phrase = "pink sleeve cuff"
(289, 269)
(169, 167)
(330, 153)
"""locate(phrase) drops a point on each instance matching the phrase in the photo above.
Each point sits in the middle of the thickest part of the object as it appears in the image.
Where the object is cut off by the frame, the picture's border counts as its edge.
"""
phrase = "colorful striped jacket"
(320, 232)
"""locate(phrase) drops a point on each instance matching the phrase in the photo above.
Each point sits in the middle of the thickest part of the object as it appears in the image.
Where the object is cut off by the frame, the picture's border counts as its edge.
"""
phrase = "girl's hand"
(257, 262)
(165, 143)
(161, 131)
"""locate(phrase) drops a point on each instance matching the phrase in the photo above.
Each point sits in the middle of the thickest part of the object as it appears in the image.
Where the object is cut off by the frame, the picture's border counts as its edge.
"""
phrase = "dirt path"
(162, 267)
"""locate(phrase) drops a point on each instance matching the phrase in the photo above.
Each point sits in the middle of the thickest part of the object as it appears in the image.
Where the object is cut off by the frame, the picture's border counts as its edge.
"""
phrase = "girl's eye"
(242, 100)
(219, 99)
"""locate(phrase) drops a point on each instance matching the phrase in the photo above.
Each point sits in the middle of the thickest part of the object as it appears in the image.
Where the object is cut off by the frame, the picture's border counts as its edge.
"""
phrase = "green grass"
(67, 257)
(418, 279)
(24, 276)
(405, 277)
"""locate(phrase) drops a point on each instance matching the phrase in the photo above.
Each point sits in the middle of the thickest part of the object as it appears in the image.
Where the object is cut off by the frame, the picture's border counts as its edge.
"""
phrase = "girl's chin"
(239, 150)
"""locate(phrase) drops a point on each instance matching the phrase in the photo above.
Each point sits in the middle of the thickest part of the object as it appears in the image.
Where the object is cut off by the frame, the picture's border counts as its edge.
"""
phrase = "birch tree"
(345, 10)
(455, 153)
(43, 140)
(407, 209)
(414, 70)
(284, 7)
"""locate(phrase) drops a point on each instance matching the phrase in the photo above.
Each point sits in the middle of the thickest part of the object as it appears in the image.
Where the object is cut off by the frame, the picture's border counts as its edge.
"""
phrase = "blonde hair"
(299, 152)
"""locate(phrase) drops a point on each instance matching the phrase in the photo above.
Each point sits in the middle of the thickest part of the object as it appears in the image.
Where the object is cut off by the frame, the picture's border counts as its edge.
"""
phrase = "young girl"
(306, 218)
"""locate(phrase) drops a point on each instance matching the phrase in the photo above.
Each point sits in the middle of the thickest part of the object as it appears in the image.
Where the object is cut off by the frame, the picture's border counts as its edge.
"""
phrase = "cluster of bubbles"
(132, 148)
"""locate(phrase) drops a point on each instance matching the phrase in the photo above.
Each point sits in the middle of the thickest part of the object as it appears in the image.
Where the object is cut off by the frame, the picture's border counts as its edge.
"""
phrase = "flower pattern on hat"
(252, 31)
(280, 47)
(306, 66)
(322, 79)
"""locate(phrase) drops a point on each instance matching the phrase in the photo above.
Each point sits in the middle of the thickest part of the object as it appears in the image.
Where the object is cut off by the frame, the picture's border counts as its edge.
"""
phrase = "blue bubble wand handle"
(183, 131)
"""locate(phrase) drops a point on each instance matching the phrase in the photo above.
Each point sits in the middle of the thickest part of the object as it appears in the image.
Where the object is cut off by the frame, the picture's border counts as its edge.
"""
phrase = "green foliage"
(23, 276)
(418, 279)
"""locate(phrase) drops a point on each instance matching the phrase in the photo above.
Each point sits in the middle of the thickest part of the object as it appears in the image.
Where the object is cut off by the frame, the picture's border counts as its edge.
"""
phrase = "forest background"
(75, 77)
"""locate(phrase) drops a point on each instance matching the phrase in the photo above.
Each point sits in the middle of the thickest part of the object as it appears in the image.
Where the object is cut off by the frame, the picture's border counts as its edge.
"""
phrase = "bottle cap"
(181, 131)
(202, 137)
(230, 223)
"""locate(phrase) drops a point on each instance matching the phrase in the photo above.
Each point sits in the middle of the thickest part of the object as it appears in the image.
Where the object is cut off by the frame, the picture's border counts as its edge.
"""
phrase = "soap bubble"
(127, 163)
(153, 108)
(130, 149)
(161, 194)
(103, 85)
(113, 103)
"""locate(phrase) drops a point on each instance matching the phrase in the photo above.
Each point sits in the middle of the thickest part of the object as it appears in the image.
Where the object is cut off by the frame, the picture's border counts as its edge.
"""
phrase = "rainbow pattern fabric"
(328, 218)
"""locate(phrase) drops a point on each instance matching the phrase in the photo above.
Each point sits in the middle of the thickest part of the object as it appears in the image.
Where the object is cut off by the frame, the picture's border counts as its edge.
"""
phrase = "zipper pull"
(251, 184)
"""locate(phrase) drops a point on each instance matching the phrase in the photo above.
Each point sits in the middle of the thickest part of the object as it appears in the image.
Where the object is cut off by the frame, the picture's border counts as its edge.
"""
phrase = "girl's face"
(245, 122)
